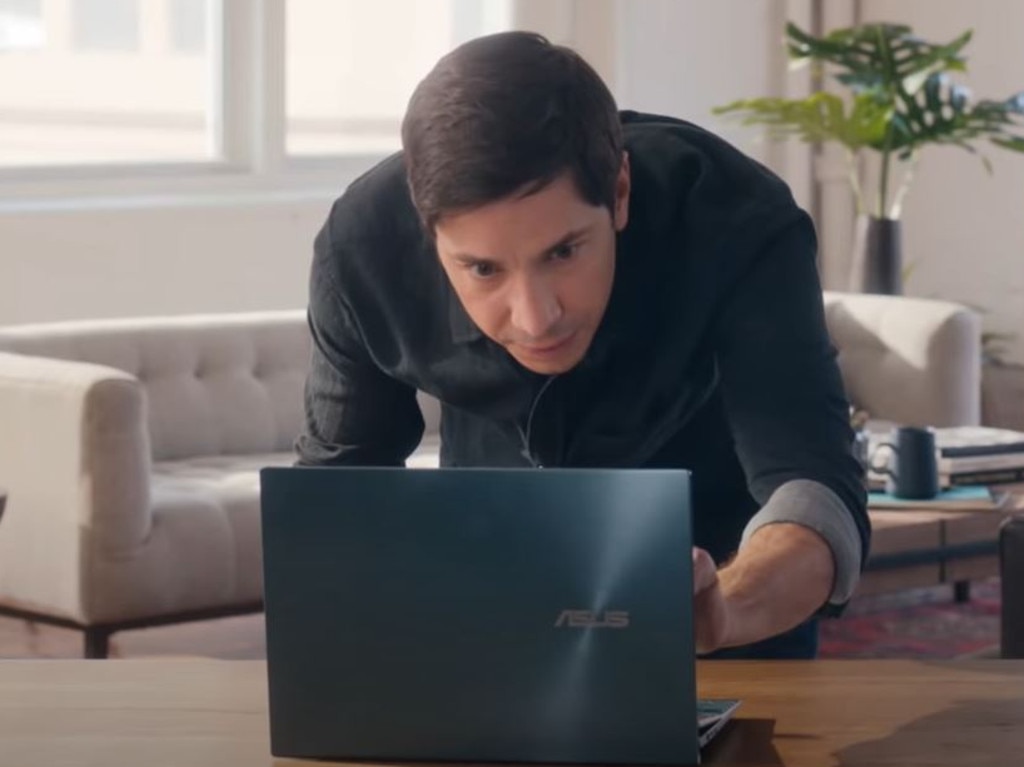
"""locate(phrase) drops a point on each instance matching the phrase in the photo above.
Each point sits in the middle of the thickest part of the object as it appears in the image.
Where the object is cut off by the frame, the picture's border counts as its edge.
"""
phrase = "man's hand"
(774, 583)
(709, 607)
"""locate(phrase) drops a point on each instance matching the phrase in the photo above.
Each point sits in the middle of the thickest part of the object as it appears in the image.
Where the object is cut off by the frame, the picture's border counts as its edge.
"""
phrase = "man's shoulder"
(679, 166)
(376, 203)
(636, 123)
(658, 131)
(689, 150)
(372, 226)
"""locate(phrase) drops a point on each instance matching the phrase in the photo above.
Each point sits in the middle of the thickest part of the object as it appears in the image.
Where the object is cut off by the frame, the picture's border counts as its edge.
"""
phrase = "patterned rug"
(919, 623)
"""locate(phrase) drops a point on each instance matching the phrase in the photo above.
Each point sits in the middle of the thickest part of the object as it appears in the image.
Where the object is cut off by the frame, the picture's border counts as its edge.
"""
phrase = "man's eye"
(564, 252)
(483, 270)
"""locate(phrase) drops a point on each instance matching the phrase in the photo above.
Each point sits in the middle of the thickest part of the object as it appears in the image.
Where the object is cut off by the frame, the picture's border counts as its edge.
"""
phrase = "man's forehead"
(516, 228)
(533, 251)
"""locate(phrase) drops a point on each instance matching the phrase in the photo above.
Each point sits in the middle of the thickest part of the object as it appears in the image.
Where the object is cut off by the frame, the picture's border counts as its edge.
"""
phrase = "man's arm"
(784, 399)
(781, 576)
(355, 414)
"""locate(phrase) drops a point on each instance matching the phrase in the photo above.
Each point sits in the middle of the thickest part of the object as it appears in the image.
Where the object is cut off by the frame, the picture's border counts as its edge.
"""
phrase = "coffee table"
(205, 713)
(912, 548)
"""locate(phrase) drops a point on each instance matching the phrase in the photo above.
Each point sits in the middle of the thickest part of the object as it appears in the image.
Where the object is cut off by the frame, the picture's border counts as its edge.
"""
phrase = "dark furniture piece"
(1011, 571)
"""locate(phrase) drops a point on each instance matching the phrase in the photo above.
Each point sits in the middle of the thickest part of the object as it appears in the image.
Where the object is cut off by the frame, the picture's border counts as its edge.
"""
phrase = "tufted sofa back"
(213, 384)
(229, 384)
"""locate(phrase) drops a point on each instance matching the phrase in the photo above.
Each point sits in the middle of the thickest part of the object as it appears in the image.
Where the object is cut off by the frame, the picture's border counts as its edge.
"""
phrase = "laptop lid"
(480, 614)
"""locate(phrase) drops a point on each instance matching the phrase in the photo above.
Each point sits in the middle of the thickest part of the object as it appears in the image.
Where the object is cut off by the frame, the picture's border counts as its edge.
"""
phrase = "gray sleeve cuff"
(813, 505)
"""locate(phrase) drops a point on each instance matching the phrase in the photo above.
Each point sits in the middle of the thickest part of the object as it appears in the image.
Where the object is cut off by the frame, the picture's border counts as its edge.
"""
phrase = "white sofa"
(130, 448)
(909, 360)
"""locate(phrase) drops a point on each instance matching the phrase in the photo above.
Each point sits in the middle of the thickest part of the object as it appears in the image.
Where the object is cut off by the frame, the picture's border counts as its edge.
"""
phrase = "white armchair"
(130, 450)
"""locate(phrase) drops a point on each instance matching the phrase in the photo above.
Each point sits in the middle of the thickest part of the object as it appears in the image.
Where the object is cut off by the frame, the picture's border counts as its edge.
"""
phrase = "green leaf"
(941, 113)
(819, 117)
(901, 97)
(1014, 143)
(879, 57)
(907, 271)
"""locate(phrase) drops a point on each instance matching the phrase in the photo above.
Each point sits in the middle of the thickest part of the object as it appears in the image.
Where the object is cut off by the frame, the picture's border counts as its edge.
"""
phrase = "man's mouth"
(547, 349)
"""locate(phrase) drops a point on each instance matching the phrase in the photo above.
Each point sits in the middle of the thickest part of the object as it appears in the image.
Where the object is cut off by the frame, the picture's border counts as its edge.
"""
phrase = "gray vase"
(877, 263)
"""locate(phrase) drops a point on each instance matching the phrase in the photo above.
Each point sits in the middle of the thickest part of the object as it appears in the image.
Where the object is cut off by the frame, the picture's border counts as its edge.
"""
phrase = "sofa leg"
(97, 643)
(962, 592)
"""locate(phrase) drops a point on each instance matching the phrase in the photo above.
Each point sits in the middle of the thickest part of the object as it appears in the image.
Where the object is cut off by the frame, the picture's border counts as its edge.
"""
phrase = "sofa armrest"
(75, 460)
(908, 360)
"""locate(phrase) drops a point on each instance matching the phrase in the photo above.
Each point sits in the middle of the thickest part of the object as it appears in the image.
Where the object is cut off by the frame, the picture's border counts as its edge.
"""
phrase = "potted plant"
(901, 99)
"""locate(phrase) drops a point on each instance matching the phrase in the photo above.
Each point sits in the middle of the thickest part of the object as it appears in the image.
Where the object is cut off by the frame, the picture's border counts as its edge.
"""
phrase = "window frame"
(248, 117)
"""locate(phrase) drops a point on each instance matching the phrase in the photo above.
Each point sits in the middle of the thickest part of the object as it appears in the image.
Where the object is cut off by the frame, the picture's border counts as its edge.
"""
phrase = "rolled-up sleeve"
(786, 404)
(812, 505)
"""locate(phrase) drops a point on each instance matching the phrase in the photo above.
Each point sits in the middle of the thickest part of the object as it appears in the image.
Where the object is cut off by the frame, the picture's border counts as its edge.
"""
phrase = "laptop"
(484, 615)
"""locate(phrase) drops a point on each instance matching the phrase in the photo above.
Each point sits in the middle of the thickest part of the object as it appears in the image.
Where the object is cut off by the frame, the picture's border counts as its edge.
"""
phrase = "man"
(581, 287)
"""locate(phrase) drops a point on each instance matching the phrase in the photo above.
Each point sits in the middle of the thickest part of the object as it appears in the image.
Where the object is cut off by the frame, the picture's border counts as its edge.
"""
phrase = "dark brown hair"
(505, 113)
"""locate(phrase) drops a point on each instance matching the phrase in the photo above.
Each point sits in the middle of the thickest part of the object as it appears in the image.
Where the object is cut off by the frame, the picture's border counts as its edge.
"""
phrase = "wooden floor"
(230, 638)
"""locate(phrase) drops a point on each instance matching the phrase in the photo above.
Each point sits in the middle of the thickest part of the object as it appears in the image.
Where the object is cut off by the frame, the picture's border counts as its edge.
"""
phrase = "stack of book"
(979, 455)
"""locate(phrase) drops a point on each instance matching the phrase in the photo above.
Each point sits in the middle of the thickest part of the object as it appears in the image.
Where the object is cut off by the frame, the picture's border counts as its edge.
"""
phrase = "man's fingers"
(709, 608)
(705, 574)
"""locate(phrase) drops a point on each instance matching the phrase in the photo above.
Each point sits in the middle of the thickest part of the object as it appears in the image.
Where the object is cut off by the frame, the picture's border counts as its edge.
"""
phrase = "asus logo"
(588, 619)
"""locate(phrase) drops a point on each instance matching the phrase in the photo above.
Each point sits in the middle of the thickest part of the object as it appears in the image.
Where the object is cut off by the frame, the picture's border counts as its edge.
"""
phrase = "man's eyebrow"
(469, 259)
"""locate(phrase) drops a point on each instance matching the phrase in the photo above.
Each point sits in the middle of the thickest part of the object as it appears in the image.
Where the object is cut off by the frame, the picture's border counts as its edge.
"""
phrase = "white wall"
(233, 245)
(685, 57)
(124, 257)
(964, 228)
(121, 261)
(678, 56)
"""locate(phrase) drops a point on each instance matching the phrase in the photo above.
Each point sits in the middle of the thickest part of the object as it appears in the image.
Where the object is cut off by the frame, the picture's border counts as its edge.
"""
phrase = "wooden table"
(205, 713)
(911, 548)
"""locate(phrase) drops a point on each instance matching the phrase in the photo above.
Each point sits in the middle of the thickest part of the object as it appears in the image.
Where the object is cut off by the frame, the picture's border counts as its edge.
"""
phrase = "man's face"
(535, 273)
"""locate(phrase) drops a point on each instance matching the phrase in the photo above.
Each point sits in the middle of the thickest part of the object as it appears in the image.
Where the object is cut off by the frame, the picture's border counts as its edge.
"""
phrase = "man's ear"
(620, 216)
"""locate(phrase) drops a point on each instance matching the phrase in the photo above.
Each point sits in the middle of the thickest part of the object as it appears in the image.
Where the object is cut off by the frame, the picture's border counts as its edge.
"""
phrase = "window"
(352, 65)
(188, 20)
(130, 93)
(21, 25)
(105, 25)
(99, 81)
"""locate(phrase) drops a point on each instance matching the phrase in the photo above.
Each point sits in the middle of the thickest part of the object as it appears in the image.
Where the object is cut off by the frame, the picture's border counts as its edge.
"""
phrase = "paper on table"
(955, 498)
(712, 716)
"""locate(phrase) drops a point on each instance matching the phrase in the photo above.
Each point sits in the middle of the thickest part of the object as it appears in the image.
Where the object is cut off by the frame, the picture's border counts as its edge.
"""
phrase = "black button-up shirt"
(713, 353)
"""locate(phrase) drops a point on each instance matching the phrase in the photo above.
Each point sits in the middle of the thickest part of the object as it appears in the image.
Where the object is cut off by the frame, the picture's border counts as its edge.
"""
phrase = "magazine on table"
(712, 715)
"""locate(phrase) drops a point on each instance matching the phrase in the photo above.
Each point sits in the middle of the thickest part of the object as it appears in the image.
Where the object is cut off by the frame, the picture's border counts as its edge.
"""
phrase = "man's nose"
(535, 308)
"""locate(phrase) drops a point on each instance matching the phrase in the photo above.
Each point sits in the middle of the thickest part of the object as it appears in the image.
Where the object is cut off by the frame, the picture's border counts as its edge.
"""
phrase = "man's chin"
(547, 369)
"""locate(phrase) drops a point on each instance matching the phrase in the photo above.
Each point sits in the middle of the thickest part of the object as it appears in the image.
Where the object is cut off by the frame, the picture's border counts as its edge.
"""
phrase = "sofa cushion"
(203, 546)
(203, 549)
